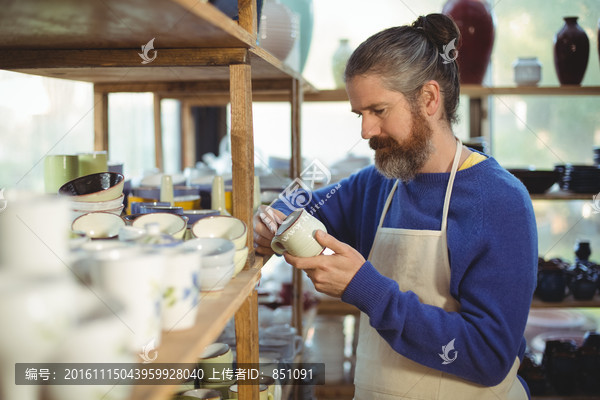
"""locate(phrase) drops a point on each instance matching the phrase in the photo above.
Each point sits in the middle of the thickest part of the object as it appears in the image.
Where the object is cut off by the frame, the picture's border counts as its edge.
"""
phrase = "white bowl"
(115, 211)
(239, 259)
(98, 205)
(171, 224)
(221, 226)
(217, 261)
(97, 225)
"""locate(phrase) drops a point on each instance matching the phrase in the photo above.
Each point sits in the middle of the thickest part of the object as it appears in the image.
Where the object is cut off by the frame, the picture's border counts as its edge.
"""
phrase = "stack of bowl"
(579, 178)
(226, 227)
(100, 192)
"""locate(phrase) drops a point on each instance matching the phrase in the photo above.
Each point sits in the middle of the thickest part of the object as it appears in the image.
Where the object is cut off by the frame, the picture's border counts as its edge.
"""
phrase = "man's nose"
(370, 127)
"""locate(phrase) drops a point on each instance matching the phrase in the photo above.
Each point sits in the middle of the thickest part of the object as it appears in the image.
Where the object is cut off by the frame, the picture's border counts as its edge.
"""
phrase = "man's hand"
(266, 221)
(330, 274)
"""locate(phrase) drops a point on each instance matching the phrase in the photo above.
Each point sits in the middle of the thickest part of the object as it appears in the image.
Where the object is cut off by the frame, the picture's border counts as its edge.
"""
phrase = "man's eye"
(378, 111)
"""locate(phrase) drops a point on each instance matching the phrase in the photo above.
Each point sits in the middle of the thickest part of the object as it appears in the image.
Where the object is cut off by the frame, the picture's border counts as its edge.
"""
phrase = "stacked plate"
(579, 178)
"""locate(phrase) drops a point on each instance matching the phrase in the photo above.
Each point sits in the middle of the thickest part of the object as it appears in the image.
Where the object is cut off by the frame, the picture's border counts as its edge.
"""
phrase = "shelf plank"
(116, 24)
(214, 311)
(562, 195)
(568, 302)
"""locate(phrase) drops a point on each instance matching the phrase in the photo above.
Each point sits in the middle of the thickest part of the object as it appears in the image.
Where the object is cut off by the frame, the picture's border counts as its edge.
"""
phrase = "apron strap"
(451, 184)
(387, 204)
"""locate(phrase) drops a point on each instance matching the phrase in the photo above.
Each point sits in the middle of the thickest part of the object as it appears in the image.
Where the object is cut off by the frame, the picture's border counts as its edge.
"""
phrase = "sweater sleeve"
(493, 285)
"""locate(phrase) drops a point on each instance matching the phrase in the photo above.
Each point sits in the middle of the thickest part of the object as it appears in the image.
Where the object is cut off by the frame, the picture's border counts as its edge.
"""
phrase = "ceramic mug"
(181, 288)
(91, 163)
(287, 348)
(58, 170)
(214, 359)
(263, 391)
(134, 278)
(296, 235)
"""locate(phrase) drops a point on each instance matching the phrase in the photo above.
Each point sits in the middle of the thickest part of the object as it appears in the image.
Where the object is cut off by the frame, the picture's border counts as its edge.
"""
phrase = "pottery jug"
(571, 52)
(475, 21)
(278, 29)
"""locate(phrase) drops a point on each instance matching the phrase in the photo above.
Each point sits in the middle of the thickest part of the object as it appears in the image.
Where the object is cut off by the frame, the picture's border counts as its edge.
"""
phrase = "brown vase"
(571, 52)
(476, 24)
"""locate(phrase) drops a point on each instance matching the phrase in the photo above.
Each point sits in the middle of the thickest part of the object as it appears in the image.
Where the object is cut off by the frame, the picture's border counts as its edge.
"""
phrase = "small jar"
(527, 71)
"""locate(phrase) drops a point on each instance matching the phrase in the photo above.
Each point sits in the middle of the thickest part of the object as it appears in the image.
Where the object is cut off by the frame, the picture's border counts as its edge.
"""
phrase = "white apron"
(418, 261)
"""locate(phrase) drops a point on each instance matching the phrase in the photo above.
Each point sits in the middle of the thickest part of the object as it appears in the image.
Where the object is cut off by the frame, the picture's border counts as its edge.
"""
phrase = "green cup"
(58, 170)
(92, 163)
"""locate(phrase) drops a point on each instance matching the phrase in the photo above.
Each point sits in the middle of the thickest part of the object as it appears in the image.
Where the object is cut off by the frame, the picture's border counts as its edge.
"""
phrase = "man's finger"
(326, 240)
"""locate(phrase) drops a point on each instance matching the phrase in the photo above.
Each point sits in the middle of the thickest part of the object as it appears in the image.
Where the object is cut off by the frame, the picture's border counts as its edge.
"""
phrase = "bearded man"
(436, 244)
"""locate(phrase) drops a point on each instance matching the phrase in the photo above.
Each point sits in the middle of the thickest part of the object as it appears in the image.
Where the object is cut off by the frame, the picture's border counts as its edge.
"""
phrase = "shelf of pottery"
(189, 49)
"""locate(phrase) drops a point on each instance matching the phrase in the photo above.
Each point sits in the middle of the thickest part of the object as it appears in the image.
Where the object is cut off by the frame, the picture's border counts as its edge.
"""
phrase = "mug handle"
(277, 246)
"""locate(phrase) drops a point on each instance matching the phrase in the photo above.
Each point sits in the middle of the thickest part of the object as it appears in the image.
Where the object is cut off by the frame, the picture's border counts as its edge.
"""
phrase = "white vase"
(279, 29)
(339, 60)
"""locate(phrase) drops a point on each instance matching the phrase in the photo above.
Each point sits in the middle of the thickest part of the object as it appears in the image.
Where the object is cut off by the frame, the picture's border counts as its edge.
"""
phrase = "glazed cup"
(134, 277)
(263, 391)
(58, 170)
(205, 394)
(180, 288)
(213, 360)
(91, 163)
(296, 235)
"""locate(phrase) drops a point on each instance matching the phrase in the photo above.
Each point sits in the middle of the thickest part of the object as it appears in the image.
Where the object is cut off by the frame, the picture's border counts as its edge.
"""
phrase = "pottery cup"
(296, 235)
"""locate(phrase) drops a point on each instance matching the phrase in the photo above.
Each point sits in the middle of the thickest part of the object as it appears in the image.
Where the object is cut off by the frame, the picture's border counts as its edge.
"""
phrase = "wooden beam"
(188, 136)
(194, 88)
(242, 149)
(100, 121)
(103, 58)
(246, 332)
(158, 143)
(295, 170)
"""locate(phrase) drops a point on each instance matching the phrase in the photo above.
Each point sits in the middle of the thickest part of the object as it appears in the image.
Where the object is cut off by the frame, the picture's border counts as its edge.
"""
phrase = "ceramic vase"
(571, 52)
(475, 21)
(278, 29)
(304, 8)
(339, 60)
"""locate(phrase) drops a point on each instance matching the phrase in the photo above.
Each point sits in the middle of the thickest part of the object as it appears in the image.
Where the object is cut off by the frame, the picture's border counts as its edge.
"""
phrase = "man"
(436, 244)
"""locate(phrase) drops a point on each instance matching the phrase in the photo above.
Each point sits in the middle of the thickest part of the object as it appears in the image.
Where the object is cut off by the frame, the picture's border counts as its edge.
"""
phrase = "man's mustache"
(377, 143)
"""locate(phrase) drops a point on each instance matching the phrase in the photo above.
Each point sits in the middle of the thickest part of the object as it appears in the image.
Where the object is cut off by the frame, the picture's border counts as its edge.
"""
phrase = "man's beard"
(404, 161)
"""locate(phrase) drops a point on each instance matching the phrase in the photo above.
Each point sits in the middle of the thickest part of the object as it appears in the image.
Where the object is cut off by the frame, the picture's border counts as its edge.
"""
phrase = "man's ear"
(431, 97)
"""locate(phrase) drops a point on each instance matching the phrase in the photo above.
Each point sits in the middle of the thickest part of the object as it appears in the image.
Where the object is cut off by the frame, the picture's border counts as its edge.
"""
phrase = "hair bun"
(438, 28)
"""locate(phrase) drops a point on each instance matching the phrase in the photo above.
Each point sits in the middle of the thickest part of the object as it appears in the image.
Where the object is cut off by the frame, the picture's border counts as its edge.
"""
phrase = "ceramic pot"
(582, 250)
(552, 285)
(560, 364)
(571, 52)
(339, 60)
(304, 8)
(278, 29)
(475, 21)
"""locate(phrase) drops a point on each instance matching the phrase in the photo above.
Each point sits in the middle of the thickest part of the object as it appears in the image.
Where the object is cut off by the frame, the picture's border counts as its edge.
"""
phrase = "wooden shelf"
(214, 311)
(480, 91)
(562, 195)
(99, 42)
(568, 302)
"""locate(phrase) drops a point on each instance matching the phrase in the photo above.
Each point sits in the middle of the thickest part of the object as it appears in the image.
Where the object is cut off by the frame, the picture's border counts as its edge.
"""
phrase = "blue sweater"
(492, 245)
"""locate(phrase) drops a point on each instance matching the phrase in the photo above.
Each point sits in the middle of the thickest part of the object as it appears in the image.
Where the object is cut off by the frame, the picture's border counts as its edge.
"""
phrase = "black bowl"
(92, 183)
(536, 181)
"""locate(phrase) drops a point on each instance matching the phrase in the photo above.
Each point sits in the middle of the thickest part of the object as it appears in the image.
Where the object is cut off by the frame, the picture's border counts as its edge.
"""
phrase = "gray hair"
(407, 57)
